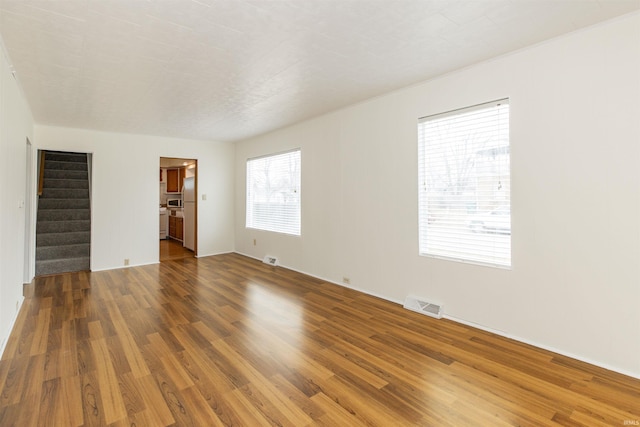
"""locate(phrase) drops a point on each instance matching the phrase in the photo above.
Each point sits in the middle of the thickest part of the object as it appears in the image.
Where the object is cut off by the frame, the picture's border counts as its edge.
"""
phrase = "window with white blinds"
(273, 192)
(464, 185)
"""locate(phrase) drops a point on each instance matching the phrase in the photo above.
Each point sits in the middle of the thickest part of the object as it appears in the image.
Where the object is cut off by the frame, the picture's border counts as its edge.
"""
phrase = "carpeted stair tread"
(62, 251)
(65, 174)
(68, 238)
(62, 156)
(66, 193)
(71, 166)
(67, 183)
(63, 204)
(55, 266)
(63, 214)
(62, 226)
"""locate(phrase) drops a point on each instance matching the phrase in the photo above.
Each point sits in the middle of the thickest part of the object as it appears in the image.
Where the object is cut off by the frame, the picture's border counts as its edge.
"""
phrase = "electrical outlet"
(126, 261)
(346, 280)
(254, 242)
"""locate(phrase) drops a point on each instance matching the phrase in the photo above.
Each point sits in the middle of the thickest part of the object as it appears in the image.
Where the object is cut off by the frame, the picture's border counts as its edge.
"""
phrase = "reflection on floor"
(173, 249)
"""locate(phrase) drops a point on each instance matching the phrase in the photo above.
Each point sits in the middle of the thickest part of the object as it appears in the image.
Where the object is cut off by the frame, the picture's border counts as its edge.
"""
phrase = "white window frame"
(464, 179)
(273, 192)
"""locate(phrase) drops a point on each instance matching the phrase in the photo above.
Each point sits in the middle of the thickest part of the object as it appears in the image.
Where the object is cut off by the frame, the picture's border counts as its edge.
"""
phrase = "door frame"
(30, 211)
(195, 185)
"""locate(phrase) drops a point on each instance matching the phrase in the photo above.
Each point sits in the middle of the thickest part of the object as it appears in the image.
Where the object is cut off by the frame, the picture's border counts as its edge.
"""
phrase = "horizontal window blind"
(273, 193)
(465, 185)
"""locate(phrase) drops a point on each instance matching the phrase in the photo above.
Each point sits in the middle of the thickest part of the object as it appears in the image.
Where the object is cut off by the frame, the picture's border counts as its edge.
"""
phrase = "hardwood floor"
(227, 340)
(173, 249)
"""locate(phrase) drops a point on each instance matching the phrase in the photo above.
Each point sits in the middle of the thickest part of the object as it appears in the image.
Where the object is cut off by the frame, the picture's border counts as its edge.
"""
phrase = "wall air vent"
(271, 260)
(421, 306)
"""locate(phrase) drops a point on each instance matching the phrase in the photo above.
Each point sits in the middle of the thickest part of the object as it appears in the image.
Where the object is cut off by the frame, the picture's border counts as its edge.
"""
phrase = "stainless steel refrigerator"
(189, 212)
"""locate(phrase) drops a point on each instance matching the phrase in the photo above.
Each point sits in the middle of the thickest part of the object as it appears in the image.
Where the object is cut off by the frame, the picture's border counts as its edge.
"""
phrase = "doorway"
(63, 219)
(178, 208)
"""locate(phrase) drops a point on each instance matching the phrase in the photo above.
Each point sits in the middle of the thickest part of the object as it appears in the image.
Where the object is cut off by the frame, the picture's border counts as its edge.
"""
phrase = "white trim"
(249, 256)
(478, 326)
(123, 266)
(30, 211)
(214, 254)
(544, 347)
(270, 219)
(152, 263)
(468, 109)
(274, 154)
(325, 279)
(3, 345)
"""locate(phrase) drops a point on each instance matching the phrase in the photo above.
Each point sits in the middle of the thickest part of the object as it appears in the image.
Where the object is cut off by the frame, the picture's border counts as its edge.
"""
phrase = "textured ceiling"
(231, 69)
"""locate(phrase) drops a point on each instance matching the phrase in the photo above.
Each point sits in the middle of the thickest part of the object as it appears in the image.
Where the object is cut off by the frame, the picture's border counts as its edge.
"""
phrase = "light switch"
(204, 197)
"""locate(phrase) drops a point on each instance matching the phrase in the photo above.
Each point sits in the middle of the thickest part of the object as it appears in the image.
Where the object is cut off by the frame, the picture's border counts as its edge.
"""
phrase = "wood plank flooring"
(229, 341)
(172, 249)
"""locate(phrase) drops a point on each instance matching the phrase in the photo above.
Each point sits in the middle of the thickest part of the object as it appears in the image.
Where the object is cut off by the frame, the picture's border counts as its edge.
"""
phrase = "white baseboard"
(355, 288)
(248, 256)
(544, 347)
(11, 325)
(478, 326)
(124, 266)
(218, 253)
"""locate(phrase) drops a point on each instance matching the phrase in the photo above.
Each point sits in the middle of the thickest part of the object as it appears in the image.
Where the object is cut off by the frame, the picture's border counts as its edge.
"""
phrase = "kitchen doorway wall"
(178, 201)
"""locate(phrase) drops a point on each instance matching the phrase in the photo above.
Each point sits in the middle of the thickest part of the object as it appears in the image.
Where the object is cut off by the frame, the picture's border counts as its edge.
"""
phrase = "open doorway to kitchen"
(178, 208)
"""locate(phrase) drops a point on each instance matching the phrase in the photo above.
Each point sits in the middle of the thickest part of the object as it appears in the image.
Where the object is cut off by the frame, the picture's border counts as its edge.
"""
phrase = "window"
(464, 185)
(273, 193)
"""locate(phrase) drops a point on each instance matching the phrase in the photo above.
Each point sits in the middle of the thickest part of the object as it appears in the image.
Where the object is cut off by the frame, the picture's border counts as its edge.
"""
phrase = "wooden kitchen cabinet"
(172, 226)
(176, 230)
(179, 228)
(174, 180)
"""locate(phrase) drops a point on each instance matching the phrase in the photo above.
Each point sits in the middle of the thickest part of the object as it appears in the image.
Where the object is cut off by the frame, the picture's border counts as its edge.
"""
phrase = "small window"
(465, 186)
(273, 193)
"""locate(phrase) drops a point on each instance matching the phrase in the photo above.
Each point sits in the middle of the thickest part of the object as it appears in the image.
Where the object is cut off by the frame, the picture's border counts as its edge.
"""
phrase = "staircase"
(63, 228)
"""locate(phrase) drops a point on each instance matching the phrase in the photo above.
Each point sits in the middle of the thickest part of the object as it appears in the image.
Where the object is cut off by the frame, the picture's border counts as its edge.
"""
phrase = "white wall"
(16, 125)
(125, 191)
(575, 136)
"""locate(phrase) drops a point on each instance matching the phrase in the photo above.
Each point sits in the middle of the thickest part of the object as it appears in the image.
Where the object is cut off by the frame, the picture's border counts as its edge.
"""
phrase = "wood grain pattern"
(229, 341)
(173, 249)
